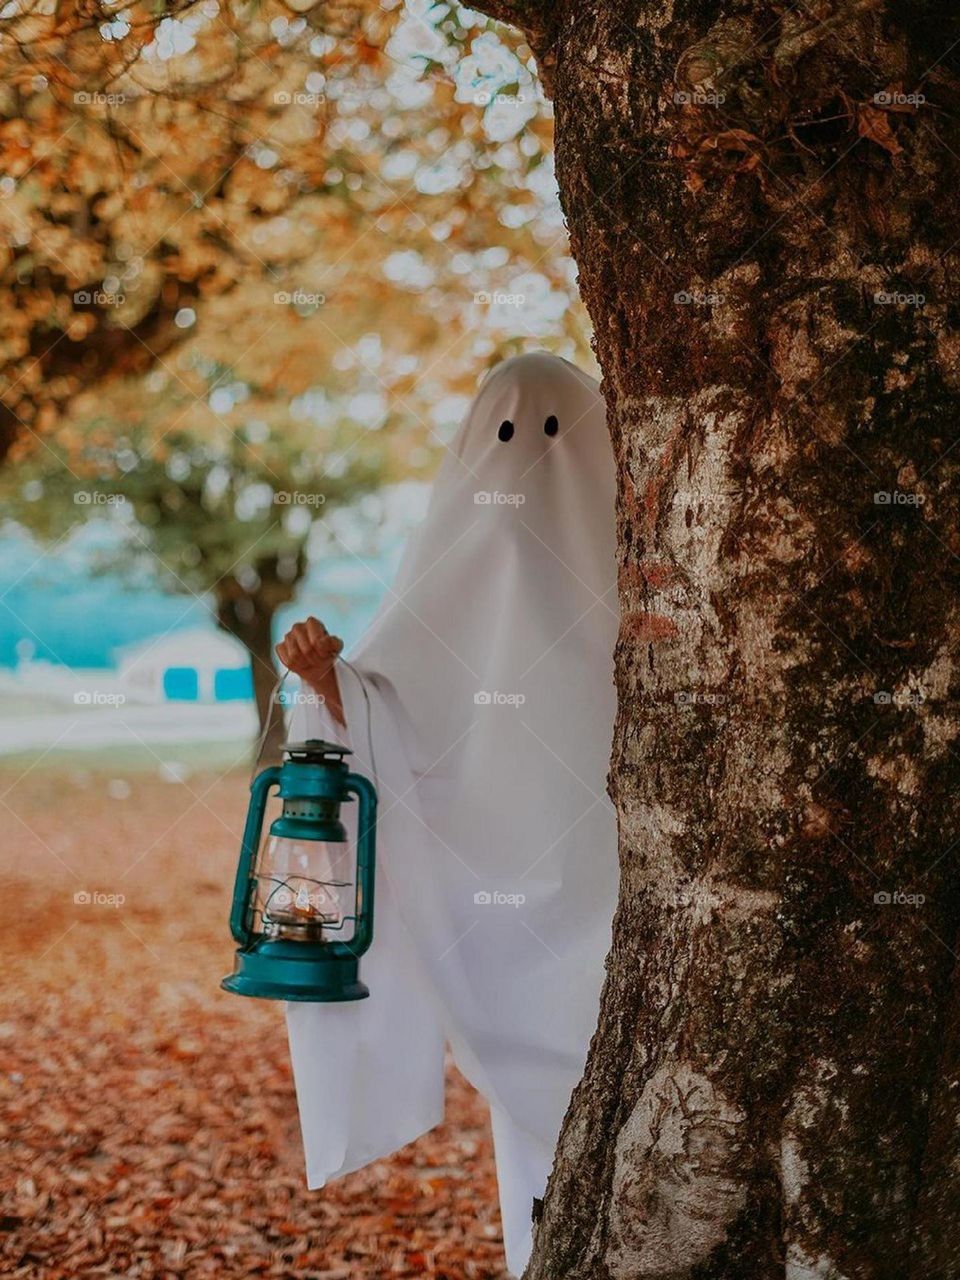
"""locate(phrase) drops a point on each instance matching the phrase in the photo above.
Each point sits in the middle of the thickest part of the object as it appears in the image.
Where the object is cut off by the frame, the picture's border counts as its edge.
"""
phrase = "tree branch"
(515, 13)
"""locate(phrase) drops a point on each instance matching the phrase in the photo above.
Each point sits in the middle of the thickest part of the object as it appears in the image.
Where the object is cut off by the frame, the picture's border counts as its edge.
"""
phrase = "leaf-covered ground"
(147, 1119)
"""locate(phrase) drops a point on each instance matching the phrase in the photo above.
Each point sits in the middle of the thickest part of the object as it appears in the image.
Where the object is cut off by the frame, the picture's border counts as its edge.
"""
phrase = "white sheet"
(496, 841)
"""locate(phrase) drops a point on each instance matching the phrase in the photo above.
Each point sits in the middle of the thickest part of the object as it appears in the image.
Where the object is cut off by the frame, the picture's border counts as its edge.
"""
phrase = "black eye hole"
(506, 430)
(551, 426)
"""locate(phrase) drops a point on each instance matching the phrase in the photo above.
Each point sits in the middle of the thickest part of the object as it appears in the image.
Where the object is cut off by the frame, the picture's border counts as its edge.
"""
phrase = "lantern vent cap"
(314, 750)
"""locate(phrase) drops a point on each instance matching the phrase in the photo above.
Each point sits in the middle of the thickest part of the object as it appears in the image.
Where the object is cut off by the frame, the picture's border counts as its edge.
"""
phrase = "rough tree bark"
(768, 252)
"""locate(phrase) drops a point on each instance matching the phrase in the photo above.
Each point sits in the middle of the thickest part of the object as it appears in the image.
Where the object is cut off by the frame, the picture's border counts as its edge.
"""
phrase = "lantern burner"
(302, 909)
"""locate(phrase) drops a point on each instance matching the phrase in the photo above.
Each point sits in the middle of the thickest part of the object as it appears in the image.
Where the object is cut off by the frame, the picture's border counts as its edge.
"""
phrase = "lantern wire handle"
(369, 710)
(268, 721)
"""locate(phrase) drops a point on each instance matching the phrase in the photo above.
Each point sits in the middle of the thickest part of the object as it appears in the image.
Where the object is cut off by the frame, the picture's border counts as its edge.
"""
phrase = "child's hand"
(310, 652)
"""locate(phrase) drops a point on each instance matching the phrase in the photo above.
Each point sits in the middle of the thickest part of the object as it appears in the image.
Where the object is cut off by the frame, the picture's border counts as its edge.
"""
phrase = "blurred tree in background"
(175, 170)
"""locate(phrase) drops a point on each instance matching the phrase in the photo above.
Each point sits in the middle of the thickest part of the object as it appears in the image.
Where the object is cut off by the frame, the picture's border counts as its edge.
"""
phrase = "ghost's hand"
(309, 651)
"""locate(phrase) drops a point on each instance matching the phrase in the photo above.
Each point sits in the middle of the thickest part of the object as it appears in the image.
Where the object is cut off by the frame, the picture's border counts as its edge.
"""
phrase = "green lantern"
(303, 906)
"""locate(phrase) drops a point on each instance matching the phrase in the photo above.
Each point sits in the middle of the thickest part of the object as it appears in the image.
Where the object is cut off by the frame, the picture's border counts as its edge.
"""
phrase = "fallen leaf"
(874, 123)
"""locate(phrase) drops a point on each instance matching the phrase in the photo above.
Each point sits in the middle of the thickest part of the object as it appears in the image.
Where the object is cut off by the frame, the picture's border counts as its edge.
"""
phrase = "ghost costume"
(484, 686)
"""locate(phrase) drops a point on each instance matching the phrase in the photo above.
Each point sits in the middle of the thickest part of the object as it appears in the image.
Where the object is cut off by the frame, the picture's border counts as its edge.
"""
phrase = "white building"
(193, 665)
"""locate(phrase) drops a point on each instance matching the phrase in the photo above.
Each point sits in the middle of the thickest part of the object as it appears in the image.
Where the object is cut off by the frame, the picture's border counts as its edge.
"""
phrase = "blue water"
(54, 607)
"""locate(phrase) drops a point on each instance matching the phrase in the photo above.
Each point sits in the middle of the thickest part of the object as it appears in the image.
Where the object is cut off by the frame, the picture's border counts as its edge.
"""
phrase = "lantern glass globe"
(304, 889)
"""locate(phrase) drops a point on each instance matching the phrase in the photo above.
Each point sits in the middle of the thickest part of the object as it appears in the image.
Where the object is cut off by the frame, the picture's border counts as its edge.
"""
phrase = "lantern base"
(284, 970)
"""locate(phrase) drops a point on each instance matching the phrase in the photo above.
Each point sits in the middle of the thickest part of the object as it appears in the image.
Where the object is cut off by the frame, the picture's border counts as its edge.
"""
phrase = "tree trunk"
(762, 204)
(249, 616)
